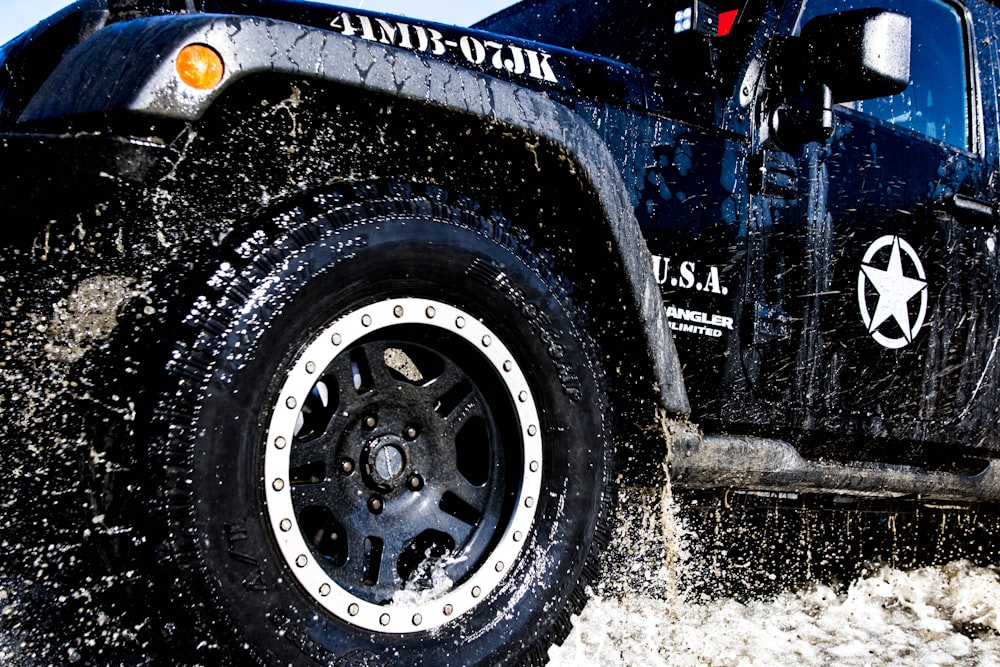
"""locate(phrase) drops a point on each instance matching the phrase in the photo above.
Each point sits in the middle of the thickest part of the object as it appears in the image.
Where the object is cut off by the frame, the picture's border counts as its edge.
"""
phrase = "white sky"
(19, 15)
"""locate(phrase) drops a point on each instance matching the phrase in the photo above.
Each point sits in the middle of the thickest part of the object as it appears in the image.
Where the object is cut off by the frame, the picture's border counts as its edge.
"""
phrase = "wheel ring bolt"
(375, 505)
(415, 482)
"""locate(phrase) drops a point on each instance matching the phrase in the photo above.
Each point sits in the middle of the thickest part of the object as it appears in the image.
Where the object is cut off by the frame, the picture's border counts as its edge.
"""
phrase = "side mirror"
(844, 57)
(860, 54)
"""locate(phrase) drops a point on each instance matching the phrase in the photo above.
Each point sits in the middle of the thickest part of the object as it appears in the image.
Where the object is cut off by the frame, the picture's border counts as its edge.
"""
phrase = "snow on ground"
(653, 607)
(948, 615)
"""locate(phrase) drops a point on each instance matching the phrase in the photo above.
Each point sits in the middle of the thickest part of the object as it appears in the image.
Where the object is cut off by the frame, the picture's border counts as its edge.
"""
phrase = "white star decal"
(895, 291)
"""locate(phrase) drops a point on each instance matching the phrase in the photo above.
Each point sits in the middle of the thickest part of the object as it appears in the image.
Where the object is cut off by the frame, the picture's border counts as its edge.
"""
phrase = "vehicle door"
(876, 312)
(683, 156)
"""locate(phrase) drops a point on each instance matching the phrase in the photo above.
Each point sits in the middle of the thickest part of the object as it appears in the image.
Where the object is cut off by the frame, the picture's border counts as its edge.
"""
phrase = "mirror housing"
(860, 54)
(845, 57)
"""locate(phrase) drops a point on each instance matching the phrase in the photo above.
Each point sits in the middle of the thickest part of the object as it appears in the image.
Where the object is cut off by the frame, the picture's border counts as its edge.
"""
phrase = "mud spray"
(681, 586)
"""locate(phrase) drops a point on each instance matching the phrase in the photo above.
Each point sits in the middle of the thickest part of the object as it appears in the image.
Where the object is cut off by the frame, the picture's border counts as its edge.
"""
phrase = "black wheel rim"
(402, 465)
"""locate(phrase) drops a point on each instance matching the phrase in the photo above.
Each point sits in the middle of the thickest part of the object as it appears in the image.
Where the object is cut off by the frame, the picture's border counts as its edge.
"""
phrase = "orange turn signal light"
(200, 66)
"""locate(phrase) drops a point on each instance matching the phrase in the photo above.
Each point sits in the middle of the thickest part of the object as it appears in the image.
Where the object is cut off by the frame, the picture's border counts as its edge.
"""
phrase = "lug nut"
(370, 422)
(346, 466)
(375, 505)
(410, 433)
(415, 482)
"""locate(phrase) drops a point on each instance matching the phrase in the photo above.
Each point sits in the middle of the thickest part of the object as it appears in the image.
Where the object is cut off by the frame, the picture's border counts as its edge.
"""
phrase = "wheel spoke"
(309, 455)
(318, 409)
(455, 516)
(343, 376)
(454, 400)
(372, 564)
(349, 375)
(312, 494)
(364, 560)
(392, 551)
(369, 370)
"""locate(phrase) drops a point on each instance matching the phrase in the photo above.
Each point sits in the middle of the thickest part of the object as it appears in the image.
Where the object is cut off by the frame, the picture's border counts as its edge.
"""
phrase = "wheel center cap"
(386, 461)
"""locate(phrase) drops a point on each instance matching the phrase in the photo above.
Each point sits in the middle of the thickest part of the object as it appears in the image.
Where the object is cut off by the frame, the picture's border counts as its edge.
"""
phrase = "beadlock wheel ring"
(427, 609)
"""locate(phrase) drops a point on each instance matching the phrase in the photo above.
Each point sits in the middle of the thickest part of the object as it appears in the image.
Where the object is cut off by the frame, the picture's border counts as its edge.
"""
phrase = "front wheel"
(395, 450)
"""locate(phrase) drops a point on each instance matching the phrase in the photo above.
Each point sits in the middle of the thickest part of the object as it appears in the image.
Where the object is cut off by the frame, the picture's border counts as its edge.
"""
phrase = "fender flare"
(141, 56)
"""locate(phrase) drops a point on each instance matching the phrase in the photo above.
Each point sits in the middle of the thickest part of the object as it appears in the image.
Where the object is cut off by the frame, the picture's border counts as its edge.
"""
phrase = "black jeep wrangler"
(344, 328)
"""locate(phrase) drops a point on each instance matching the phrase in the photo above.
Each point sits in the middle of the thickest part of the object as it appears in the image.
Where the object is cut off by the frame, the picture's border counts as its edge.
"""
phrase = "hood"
(29, 59)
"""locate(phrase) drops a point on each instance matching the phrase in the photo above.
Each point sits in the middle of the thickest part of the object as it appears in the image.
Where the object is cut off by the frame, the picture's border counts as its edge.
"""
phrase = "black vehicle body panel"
(745, 264)
(127, 49)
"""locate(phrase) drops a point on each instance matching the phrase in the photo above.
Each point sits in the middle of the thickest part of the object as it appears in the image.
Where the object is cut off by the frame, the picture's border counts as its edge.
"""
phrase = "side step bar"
(774, 465)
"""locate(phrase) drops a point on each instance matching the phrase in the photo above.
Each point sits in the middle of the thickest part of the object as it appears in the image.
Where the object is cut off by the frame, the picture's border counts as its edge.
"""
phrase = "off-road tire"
(384, 441)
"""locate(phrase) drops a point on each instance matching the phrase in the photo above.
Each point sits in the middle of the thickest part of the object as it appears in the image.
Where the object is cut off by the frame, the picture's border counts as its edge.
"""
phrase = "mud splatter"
(88, 316)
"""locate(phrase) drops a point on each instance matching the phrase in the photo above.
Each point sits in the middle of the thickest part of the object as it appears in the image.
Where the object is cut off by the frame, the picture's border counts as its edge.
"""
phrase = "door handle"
(973, 205)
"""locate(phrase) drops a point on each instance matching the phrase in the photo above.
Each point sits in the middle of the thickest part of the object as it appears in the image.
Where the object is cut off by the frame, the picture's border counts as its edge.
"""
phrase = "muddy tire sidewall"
(253, 334)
